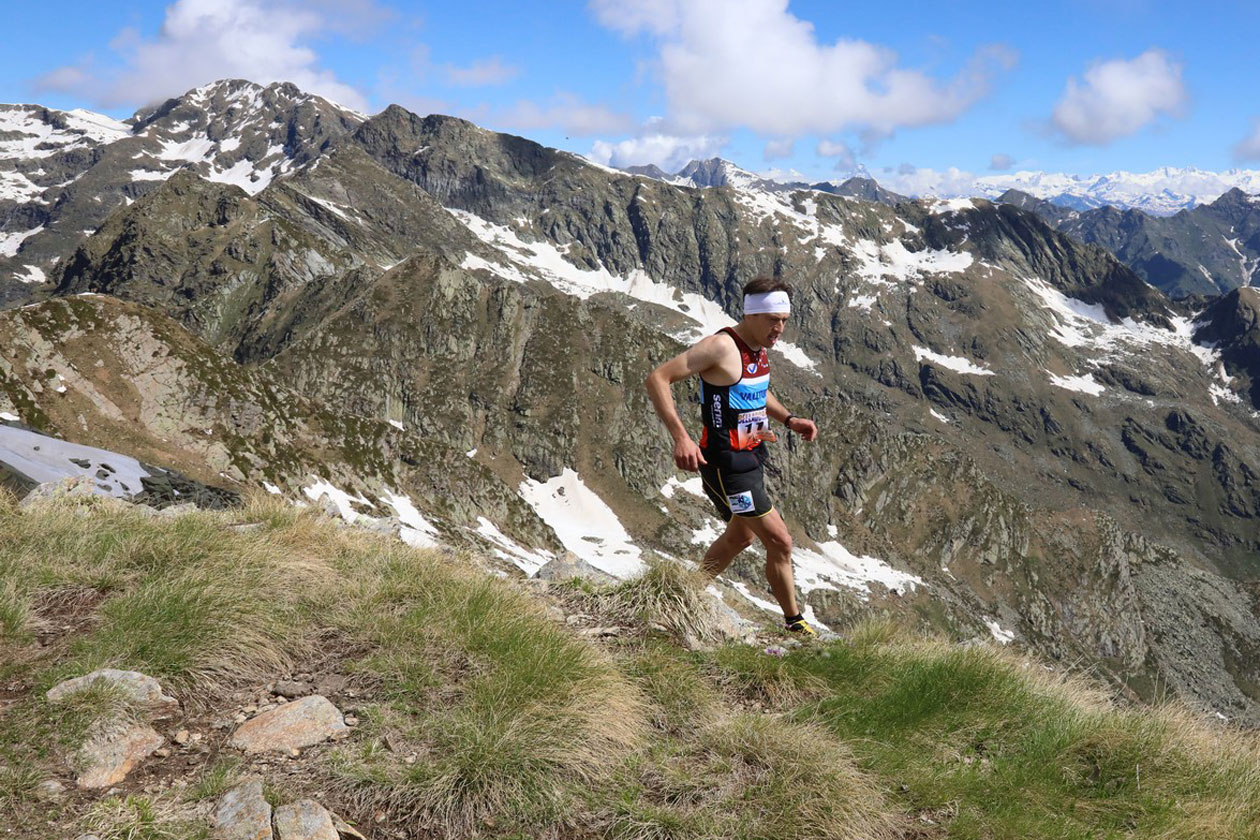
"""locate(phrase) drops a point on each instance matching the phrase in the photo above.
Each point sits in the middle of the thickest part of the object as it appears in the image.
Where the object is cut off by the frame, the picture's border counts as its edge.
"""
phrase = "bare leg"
(773, 533)
(734, 539)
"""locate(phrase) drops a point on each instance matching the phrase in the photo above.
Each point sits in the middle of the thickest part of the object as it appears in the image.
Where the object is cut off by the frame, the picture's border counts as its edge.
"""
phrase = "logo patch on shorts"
(741, 502)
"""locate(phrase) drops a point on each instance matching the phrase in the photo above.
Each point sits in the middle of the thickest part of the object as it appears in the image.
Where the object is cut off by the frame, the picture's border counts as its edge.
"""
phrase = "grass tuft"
(140, 818)
(15, 612)
(671, 595)
(766, 678)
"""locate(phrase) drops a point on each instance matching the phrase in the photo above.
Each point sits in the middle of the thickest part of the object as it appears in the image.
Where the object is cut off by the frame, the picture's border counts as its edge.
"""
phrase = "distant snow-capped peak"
(1162, 191)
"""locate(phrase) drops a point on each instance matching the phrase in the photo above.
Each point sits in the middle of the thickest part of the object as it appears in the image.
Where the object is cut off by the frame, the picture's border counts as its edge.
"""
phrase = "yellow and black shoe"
(797, 624)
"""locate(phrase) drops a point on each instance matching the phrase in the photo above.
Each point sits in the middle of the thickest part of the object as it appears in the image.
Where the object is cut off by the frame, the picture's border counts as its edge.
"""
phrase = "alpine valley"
(1028, 432)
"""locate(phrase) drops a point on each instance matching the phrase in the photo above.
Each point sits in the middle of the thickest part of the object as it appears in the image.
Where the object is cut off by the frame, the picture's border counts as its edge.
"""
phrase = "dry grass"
(142, 818)
(752, 777)
(484, 719)
(670, 595)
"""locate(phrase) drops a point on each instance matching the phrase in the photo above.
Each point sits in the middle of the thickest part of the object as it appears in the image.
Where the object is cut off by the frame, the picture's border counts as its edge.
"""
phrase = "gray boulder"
(243, 813)
(302, 723)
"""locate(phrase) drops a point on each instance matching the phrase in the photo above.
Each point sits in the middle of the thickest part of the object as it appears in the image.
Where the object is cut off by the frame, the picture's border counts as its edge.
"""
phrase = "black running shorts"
(734, 483)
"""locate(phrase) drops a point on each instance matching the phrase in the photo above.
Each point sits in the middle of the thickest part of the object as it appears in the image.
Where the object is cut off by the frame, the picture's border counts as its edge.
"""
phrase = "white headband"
(767, 303)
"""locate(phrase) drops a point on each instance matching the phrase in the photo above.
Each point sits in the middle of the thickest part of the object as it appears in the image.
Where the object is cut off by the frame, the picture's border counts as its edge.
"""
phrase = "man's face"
(767, 327)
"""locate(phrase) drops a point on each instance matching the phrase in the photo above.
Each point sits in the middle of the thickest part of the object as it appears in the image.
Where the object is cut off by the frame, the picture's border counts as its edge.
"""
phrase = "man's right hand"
(687, 455)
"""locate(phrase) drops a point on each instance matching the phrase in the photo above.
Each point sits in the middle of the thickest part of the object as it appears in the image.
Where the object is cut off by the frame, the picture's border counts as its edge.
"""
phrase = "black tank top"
(734, 415)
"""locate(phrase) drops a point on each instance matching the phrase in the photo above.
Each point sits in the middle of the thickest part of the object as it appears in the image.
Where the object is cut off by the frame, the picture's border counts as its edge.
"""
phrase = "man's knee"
(778, 541)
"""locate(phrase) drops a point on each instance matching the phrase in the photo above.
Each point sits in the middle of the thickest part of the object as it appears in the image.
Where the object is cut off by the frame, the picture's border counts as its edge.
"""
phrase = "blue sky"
(819, 87)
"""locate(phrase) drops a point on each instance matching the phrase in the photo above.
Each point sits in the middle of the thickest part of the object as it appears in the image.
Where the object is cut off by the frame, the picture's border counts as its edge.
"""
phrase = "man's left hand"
(803, 427)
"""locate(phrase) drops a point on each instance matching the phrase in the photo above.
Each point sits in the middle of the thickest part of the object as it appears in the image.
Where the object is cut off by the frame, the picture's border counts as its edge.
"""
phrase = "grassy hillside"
(483, 710)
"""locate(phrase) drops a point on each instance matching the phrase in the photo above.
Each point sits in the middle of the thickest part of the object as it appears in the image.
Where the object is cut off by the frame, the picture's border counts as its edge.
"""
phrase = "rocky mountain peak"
(716, 172)
(72, 169)
(1231, 326)
(650, 170)
(863, 187)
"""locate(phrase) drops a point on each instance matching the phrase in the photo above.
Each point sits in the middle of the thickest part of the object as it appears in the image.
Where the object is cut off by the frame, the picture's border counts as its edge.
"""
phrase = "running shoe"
(802, 627)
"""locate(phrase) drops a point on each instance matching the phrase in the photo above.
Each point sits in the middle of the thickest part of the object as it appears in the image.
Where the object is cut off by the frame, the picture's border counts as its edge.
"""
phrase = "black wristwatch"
(787, 421)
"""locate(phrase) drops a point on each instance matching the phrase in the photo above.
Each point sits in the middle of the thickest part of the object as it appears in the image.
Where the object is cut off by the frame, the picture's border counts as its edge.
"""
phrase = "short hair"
(761, 285)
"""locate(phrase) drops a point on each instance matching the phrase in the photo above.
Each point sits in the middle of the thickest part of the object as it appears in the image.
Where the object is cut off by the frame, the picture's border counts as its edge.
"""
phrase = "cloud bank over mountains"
(705, 77)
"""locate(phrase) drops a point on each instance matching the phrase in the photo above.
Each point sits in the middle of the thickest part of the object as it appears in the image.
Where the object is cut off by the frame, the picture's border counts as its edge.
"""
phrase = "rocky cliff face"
(1207, 250)
(1004, 410)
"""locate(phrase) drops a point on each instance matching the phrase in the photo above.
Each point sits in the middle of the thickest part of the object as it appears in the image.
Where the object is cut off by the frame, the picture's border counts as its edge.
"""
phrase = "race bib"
(741, 502)
(752, 428)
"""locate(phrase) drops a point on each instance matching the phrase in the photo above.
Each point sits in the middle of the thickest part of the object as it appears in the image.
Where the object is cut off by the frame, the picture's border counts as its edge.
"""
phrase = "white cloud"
(1118, 98)
(565, 112)
(666, 151)
(845, 159)
(1001, 162)
(204, 40)
(1249, 147)
(751, 63)
(778, 149)
(912, 181)
(490, 71)
(657, 16)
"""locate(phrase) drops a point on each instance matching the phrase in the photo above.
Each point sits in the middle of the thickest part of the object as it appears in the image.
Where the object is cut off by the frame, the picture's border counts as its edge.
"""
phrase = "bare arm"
(801, 425)
(690, 362)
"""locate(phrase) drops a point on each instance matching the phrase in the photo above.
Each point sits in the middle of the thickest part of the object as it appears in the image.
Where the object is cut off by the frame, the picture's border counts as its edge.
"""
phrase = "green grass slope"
(483, 713)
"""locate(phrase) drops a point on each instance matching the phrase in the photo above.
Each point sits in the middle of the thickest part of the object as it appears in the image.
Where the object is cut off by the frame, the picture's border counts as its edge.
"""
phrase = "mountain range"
(414, 318)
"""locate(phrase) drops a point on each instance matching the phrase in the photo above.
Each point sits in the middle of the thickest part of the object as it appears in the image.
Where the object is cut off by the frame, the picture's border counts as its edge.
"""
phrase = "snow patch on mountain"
(893, 262)
(693, 485)
(584, 523)
(11, 242)
(1004, 637)
(1085, 325)
(543, 260)
(44, 459)
(834, 566)
(32, 137)
(954, 363)
(1084, 384)
(416, 530)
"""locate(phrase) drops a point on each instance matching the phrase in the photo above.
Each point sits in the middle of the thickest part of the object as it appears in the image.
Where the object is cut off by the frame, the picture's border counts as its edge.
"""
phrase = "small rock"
(599, 632)
(292, 688)
(555, 614)
(345, 829)
(162, 753)
(569, 566)
(301, 723)
(50, 790)
(179, 509)
(108, 758)
(578, 618)
(239, 717)
(138, 688)
(79, 486)
(243, 813)
(351, 720)
(182, 737)
(304, 820)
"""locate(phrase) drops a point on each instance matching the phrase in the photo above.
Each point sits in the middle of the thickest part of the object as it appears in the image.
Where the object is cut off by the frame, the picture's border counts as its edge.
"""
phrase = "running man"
(736, 407)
